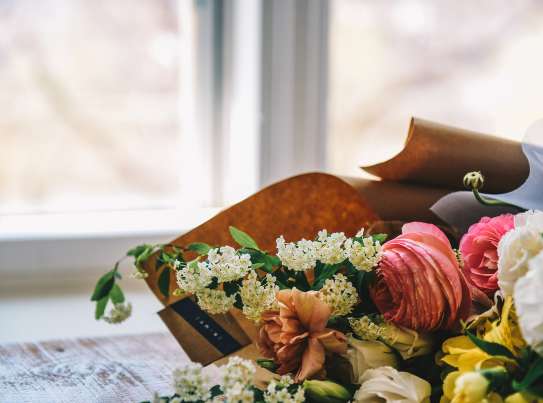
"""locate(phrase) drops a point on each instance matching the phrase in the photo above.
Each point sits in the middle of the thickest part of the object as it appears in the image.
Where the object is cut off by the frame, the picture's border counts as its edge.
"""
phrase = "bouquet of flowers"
(368, 317)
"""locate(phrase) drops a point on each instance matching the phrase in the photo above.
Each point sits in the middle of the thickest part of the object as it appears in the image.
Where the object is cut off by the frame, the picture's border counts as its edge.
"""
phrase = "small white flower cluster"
(277, 392)
(227, 265)
(297, 256)
(330, 247)
(364, 256)
(191, 384)
(339, 294)
(237, 380)
(257, 297)
(119, 313)
(215, 301)
(139, 275)
(333, 248)
(195, 276)
(366, 329)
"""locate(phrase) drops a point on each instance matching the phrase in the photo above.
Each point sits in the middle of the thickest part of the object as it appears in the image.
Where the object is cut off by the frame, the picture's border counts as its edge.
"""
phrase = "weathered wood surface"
(110, 369)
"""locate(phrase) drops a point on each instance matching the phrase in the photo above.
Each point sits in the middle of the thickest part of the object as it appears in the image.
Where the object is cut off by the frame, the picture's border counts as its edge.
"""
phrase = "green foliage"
(380, 237)
(531, 382)
(488, 347)
(200, 248)
(324, 273)
(243, 239)
(116, 294)
(101, 307)
(164, 281)
(104, 285)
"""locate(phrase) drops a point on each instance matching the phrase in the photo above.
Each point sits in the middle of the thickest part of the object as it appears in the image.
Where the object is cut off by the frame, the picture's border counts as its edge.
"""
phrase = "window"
(90, 105)
(435, 60)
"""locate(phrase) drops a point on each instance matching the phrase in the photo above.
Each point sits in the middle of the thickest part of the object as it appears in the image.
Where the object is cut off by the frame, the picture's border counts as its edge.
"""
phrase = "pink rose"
(296, 336)
(419, 283)
(479, 248)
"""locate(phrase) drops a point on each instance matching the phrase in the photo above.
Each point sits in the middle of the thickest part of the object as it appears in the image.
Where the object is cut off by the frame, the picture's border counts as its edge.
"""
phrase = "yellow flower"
(506, 331)
(468, 387)
(461, 353)
(523, 397)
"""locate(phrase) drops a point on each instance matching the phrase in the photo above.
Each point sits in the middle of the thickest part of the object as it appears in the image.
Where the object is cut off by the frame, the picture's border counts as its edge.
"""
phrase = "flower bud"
(474, 180)
(326, 391)
(521, 397)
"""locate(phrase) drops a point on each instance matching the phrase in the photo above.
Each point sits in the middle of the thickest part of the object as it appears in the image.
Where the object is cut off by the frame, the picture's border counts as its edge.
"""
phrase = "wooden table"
(109, 369)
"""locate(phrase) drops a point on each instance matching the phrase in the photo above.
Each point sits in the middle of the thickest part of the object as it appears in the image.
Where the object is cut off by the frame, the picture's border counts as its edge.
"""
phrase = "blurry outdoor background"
(93, 114)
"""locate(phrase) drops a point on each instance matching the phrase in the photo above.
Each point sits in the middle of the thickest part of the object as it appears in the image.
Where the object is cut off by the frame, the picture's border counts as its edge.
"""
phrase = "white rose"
(515, 249)
(386, 384)
(364, 355)
(528, 301)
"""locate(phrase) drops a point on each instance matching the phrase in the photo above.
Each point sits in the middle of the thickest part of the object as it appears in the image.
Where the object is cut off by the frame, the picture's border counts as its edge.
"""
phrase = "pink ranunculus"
(479, 248)
(419, 283)
(296, 336)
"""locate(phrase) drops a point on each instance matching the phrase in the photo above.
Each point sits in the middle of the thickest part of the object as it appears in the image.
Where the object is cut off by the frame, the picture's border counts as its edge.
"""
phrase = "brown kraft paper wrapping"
(297, 208)
(440, 155)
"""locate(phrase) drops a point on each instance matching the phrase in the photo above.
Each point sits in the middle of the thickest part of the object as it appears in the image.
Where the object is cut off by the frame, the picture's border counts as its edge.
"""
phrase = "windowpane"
(89, 104)
(437, 60)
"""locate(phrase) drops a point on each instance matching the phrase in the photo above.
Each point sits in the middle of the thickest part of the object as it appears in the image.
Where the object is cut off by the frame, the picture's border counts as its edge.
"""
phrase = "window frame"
(257, 114)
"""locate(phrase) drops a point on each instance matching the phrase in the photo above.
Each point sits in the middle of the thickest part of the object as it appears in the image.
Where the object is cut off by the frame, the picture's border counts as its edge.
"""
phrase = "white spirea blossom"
(515, 249)
(363, 255)
(237, 379)
(139, 275)
(528, 303)
(119, 313)
(299, 256)
(339, 294)
(191, 384)
(277, 391)
(225, 264)
(194, 277)
(366, 329)
(387, 385)
(215, 301)
(257, 297)
(330, 247)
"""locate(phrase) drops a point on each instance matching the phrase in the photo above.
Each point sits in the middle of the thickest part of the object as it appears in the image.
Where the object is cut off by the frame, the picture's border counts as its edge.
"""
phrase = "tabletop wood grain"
(109, 369)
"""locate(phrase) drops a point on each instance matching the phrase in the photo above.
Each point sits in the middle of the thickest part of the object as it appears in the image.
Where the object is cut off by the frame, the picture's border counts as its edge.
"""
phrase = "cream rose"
(386, 384)
(409, 343)
(365, 354)
(528, 303)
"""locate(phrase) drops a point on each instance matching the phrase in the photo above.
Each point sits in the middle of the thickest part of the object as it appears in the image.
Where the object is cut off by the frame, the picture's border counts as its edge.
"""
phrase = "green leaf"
(116, 294)
(216, 391)
(258, 265)
(200, 248)
(104, 285)
(491, 348)
(242, 238)
(164, 282)
(138, 250)
(100, 307)
(380, 237)
(326, 272)
(534, 373)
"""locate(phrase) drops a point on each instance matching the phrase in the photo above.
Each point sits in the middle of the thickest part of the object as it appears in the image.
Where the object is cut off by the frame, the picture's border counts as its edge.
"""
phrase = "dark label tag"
(206, 326)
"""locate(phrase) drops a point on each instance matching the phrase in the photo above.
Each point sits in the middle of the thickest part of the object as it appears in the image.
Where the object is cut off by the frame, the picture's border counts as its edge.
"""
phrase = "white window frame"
(258, 111)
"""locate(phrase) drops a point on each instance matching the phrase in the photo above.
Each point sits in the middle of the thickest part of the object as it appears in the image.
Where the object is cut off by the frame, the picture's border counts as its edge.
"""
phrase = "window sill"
(72, 249)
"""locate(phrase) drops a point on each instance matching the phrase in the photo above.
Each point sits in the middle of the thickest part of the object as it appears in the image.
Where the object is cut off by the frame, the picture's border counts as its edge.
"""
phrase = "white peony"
(515, 249)
(528, 303)
(365, 354)
(388, 385)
